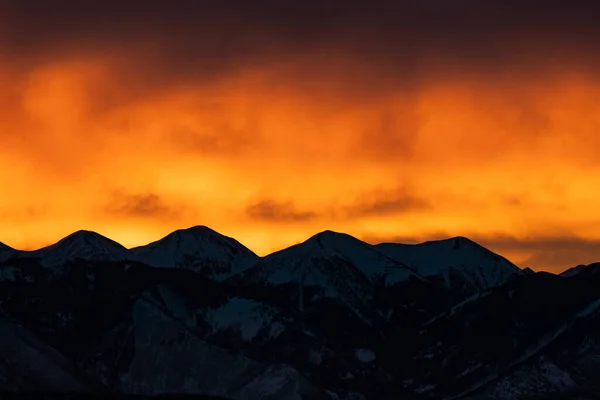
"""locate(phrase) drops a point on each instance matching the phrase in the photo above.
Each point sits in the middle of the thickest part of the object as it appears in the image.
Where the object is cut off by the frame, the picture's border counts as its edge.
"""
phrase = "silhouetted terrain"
(86, 396)
(198, 314)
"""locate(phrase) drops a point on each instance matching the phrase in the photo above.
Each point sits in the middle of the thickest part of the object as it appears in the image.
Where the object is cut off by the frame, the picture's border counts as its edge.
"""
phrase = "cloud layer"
(271, 120)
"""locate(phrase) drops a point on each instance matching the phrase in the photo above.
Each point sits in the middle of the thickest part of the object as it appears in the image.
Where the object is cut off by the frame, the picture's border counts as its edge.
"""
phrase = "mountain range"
(197, 313)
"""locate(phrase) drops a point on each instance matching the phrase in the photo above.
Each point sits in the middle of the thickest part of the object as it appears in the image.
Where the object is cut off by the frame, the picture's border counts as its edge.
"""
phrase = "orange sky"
(273, 151)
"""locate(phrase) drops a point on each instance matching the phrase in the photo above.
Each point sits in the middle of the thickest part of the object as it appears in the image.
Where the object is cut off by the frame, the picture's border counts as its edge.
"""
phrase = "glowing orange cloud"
(265, 157)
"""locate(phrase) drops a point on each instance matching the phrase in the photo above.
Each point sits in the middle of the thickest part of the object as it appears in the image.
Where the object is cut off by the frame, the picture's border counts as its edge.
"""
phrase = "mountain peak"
(89, 239)
(83, 233)
(198, 248)
(579, 269)
(88, 245)
(328, 232)
(528, 271)
(459, 256)
(333, 240)
(338, 252)
(456, 243)
(197, 230)
(200, 233)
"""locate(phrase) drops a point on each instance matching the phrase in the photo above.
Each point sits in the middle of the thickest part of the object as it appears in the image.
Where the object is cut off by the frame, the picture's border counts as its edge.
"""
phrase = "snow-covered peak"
(329, 253)
(199, 248)
(83, 244)
(307, 264)
(477, 265)
(367, 258)
(335, 242)
(197, 231)
(85, 238)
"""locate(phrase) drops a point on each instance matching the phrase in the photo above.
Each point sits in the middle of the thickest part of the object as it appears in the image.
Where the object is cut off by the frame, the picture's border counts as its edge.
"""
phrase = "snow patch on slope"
(277, 382)
(457, 307)
(365, 355)
(245, 316)
(541, 377)
(9, 273)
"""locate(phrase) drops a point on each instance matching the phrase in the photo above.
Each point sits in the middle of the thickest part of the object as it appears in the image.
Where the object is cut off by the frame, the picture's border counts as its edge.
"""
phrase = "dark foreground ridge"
(86, 396)
(197, 314)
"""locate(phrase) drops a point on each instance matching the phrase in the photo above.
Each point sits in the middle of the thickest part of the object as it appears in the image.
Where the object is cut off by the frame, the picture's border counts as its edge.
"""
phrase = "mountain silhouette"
(6, 251)
(83, 244)
(198, 248)
(458, 261)
(196, 313)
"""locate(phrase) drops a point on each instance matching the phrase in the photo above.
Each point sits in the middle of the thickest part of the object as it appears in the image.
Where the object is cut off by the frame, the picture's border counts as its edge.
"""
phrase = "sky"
(271, 120)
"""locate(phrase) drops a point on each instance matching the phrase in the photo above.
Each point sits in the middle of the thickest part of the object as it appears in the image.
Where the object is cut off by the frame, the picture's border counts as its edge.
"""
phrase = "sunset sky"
(272, 120)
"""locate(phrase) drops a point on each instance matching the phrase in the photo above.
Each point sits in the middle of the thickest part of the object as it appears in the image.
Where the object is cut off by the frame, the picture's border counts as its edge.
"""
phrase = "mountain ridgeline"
(198, 314)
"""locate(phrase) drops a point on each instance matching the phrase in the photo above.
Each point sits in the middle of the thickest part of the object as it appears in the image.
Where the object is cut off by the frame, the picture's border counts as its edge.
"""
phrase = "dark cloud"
(371, 203)
(148, 205)
(552, 253)
(178, 41)
(219, 139)
(513, 201)
(386, 202)
(269, 210)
